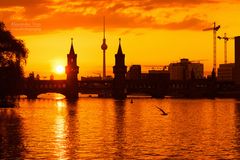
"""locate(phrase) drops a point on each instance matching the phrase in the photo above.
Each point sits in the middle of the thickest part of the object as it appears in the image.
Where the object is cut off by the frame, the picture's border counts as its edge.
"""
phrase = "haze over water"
(95, 128)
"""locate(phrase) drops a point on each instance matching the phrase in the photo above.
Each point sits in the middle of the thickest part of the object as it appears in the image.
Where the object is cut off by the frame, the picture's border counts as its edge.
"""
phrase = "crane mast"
(225, 38)
(215, 28)
(214, 48)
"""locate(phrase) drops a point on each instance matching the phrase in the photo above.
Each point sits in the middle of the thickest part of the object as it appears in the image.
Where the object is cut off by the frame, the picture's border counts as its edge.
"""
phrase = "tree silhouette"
(13, 55)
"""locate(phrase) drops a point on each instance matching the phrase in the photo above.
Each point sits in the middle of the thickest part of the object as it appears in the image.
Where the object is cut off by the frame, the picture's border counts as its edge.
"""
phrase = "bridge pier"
(119, 70)
(72, 94)
(72, 71)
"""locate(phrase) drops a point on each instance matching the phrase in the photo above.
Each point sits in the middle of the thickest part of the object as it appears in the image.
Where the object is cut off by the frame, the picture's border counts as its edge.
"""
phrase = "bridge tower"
(72, 71)
(119, 70)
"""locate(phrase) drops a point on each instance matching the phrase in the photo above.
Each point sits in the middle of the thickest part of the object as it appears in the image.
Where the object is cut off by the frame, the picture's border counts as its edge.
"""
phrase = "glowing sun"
(59, 69)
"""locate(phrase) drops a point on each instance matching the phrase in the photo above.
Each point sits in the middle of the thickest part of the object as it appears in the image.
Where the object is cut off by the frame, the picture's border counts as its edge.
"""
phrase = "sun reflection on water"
(60, 136)
(60, 105)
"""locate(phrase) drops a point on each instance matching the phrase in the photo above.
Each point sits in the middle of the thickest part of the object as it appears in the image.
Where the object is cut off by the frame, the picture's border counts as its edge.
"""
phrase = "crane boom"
(207, 29)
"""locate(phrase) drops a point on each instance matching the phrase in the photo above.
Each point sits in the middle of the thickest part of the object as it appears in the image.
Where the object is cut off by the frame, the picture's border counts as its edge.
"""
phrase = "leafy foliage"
(13, 55)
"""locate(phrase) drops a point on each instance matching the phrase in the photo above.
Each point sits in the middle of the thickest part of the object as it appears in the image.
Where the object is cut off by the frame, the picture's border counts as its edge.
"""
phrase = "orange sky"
(153, 32)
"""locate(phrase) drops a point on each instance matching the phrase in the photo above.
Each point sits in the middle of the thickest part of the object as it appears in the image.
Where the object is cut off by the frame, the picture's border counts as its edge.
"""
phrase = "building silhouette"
(72, 71)
(185, 70)
(134, 72)
(119, 71)
(158, 75)
(237, 61)
(225, 72)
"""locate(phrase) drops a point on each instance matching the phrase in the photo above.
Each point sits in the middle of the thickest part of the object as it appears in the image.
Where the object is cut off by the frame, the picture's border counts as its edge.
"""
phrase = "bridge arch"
(51, 95)
(36, 94)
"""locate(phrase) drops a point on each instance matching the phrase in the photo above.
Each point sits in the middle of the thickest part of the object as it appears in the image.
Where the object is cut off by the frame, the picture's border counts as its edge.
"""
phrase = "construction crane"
(215, 28)
(198, 60)
(96, 73)
(156, 67)
(225, 38)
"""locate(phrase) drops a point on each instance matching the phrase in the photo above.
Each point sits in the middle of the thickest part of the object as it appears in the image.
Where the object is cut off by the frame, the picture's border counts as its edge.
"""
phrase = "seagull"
(163, 112)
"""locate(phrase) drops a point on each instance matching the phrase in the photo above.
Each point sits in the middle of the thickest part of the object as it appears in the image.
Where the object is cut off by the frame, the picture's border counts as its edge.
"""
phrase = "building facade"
(134, 72)
(185, 70)
(236, 73)
(225, 72)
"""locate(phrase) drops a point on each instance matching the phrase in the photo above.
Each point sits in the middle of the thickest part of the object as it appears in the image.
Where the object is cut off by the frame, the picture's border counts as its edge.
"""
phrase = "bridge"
(103, 88)
(33, 88)
(203, 88)
(119, 87)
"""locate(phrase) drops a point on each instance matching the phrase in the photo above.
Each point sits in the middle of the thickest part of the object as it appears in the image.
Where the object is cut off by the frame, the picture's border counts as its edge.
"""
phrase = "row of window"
(60, 86)
(143, 86)
(46, 86)
(178, 86)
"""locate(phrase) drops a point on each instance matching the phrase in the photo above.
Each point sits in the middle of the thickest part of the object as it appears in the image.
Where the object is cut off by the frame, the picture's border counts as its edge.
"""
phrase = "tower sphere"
(104, 46)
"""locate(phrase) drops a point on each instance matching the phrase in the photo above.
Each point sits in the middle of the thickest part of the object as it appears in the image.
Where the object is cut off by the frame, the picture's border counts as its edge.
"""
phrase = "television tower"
(104, 48)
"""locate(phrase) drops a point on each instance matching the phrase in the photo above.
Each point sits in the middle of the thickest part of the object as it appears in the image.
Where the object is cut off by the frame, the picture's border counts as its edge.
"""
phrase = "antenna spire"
(104, 27)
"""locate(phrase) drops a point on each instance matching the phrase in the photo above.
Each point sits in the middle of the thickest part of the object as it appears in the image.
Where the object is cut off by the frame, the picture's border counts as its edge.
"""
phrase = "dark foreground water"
(94, 128)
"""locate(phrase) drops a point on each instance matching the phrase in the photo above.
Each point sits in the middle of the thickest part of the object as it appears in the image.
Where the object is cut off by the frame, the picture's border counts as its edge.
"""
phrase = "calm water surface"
(94, 128)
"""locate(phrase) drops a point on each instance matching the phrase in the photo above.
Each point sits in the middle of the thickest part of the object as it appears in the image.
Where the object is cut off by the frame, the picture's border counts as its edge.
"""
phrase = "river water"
(95, 128)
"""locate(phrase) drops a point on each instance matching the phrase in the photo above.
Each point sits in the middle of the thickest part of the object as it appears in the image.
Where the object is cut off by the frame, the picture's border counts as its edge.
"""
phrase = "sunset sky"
(153, 32)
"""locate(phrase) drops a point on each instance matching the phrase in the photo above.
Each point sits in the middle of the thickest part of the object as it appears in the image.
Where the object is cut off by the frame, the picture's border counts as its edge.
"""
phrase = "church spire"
(119, 47)
(71, 49)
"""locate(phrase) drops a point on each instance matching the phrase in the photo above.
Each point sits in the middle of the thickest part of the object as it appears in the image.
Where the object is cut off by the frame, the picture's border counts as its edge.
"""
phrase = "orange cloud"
(48, 15)
(192, 23)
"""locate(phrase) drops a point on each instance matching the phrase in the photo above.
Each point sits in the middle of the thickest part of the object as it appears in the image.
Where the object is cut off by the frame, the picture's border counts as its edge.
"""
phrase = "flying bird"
(163, 112)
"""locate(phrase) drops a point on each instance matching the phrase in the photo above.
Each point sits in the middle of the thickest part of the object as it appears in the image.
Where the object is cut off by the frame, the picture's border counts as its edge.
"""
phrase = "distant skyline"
(152, 32)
